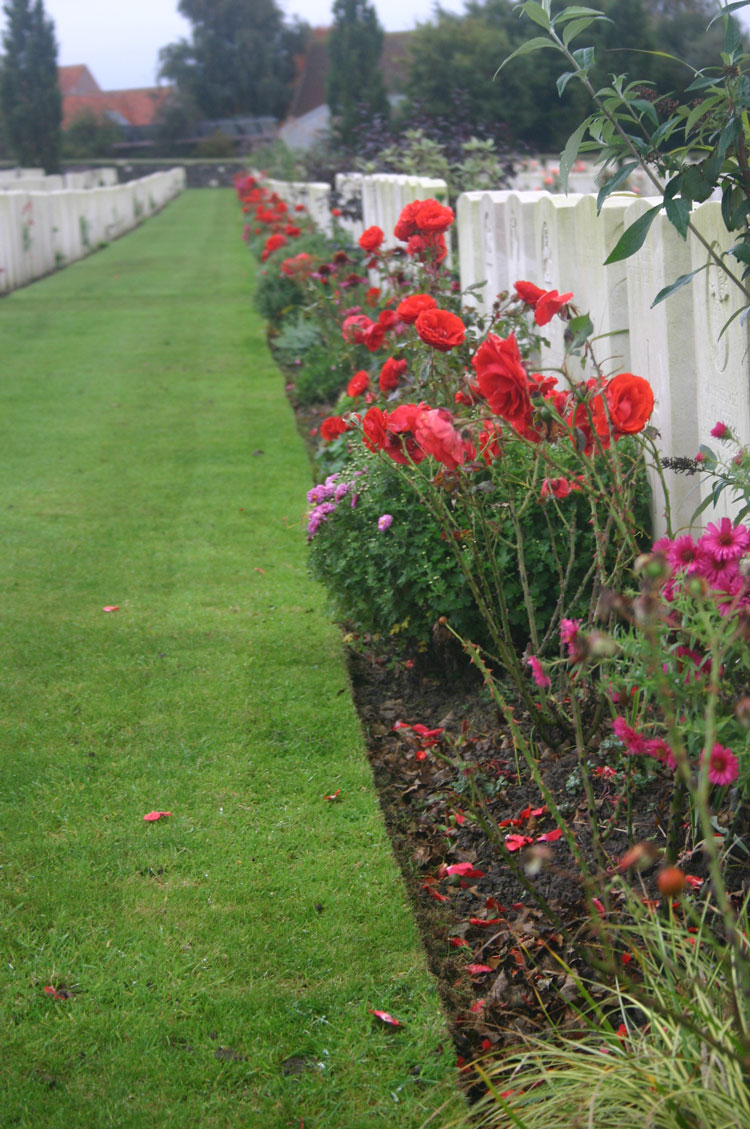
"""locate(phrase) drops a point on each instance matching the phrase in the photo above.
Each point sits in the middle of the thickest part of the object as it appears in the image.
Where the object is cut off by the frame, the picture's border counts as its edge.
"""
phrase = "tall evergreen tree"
(29, 90)
(355, 81)
(240, 59)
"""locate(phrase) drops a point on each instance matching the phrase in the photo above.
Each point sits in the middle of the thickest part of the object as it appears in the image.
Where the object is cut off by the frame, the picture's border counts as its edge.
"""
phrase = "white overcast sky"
(119, 40)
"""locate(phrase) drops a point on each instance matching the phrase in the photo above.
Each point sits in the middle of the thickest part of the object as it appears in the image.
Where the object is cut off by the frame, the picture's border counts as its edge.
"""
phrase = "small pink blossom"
(384, 522)
(537, 672)
(719, 430)
(723, 766)
(725, 541)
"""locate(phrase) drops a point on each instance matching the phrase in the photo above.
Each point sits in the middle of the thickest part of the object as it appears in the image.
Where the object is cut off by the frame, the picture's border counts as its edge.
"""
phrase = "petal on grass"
(385, 1017)
(111, 608)
(334, 795)
(152, 816)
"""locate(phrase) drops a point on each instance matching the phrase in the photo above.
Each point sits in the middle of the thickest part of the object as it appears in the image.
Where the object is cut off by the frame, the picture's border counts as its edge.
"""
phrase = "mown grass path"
(219, 963)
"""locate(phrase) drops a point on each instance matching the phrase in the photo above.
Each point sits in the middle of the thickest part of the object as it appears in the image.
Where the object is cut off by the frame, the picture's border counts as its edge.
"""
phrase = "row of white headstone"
(35, 180)
(697, 364)
(41, 231)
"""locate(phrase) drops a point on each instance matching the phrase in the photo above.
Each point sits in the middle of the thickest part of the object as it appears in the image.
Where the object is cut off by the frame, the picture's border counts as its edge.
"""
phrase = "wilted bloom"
(384, 522)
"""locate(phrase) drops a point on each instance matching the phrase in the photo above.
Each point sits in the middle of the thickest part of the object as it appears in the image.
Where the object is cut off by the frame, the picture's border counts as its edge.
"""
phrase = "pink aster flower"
(725, 541)
(718, 571)
(537, 671)
(682, 552)
(723, 766)
(384, 522)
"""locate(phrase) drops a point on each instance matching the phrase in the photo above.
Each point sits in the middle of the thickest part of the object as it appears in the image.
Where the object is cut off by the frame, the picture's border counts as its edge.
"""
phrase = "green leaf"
(643, 106)
(577, 331)
(678, 284)
(700, 83)
(537, 13)
(538, 43)
(678, 213)
(741, 313)
(618, 179)
(584, 56)
(732, 39)
(572, 30)
(633, 239)
(570, 152)
(701, 110)
(727, 9)
(563, 80)
(574, 11)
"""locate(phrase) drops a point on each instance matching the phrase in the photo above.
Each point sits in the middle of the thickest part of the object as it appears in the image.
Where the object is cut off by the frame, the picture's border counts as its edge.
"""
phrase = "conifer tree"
(355, 82)
(29, 89)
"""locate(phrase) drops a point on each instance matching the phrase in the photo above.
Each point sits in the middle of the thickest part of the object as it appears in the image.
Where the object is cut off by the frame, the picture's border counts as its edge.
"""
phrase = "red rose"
(630, 400)
(550, 304)
(358, 383)
(406, 225)
(390, 374)
(272, 244)
(438, 437)
(441, 329)
(400, 424)
(387, 318)
(502, 379)
(373, 337)
(431, 217)
(489, 441)
(428, 246)
(373, 429)
(371, 239)
(332, 427)
(372, 295)
(410, 308)
(354, 328)
(292, 230)
(528, 292)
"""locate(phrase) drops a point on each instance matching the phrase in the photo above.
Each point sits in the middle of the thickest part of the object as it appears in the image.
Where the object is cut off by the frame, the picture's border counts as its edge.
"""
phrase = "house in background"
(133, 110)
(309, 117)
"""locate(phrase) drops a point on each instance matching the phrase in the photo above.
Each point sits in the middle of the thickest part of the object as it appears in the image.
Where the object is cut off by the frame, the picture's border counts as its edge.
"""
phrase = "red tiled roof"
(137, 107)
(310, 91)
(76, 80)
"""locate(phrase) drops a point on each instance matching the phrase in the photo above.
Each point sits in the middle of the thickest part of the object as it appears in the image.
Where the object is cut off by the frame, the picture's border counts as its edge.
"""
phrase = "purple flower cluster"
(324, 498)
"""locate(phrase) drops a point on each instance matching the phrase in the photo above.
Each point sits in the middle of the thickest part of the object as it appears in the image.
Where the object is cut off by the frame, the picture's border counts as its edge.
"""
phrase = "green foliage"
(457, 56)
(295, 339)
(355, 81)
(29, 94)
(90, 136)
(240, 59)
(409, 574)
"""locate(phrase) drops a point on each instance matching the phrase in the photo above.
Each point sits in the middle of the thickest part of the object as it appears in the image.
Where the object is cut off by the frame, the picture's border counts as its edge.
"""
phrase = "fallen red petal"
(550, 836)
(111, 608)
(152, 816)
(465, 869)
(334, 795)
(694, 881)
(384, 1017)
(484, 921)
(458, 942)
(478, 969)
(515, 842)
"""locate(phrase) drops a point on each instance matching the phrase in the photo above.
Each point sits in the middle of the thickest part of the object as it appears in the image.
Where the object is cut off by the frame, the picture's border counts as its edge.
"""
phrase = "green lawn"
(220, 963)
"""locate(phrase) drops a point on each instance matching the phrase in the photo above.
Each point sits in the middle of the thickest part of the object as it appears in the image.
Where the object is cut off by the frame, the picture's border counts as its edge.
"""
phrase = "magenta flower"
(537, 672)
(720, 430)
(384, 522)
(723, 766)
(682, 552)
(725, 541)
(633, 742)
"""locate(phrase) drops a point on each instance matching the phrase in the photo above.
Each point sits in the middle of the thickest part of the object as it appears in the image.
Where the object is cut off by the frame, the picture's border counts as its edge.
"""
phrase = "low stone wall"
(45, 229)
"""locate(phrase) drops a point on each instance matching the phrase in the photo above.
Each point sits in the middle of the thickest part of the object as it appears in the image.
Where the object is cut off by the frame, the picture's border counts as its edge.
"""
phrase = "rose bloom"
(372, 295)
(410, 308)
(400, 425)
(427, 246)
(358, 384)
(371, 239)
(373, 429)
(390, 374)
(406, 225)
(630, 400)
(292, 230)
(332, 427)
(441, 329)
(272, 244)
(437, 436)
(502, 378)
(528, 292)
(388, 318)
(557, 487)
(432, 218)
(373, 337)
(354, 327)
(550, 304)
